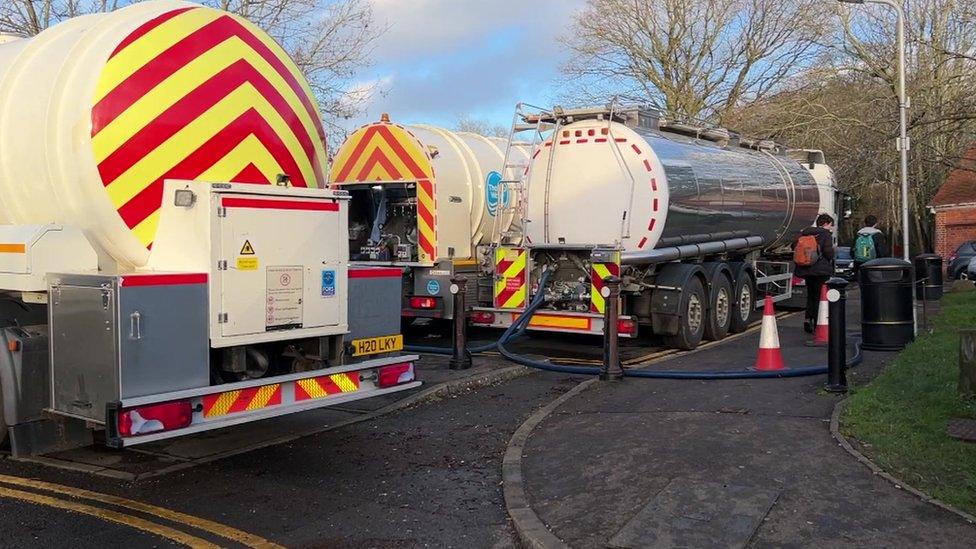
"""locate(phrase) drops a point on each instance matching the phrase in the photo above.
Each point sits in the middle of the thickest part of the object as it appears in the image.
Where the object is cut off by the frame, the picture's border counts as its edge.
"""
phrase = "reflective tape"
(511, 278)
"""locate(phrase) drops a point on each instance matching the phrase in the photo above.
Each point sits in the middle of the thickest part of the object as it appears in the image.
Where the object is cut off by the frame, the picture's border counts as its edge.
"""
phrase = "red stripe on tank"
(194, 104)
(149, 199)
(144, 29)
(180, 54)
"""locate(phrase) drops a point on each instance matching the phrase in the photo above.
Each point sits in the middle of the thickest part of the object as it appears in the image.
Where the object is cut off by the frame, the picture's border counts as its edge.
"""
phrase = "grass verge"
(900, 417)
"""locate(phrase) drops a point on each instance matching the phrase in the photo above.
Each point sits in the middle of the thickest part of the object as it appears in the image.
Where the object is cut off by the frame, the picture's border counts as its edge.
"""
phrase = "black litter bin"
(928, 277)
(887, 304)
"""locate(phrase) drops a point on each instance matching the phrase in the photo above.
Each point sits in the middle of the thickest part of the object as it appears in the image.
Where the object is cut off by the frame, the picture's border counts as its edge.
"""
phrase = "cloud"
(443, 58)
(435, 27)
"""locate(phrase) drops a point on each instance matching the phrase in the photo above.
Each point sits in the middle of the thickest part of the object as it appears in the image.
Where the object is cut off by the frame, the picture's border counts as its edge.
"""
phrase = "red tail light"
(626, 326)
(397, 374)
(155, 417)
(482, 317)
(422, 303)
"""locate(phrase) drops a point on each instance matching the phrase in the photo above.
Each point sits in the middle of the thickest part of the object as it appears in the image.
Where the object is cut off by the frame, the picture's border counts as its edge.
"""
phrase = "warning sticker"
(247, 249)
(283, 303)
(247, 263)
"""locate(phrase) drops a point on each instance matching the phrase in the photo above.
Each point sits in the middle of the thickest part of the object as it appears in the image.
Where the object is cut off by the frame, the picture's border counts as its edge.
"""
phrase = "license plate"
(376, 345)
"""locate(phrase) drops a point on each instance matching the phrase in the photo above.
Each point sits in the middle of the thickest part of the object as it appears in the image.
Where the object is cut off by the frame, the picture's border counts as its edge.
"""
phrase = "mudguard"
(666, 298)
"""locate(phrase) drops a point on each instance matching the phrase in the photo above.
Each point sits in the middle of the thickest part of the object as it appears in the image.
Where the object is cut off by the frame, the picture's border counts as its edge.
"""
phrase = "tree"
(466, 123)
(329, 40)
(848, 106)
(694, 58)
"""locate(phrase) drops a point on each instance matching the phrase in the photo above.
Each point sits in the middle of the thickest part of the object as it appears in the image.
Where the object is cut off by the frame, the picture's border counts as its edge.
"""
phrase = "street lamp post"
(903, 143)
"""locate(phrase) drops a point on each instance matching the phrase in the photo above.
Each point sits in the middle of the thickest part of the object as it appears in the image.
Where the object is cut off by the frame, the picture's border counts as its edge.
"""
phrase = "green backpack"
(864, 248)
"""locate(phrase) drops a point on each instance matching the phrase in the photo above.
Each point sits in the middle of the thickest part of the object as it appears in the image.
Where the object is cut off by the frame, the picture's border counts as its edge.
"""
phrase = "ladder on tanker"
(511, 194)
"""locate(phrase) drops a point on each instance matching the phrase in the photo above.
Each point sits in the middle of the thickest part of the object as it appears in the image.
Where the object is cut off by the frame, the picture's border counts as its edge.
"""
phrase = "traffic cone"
(821, 332)
(770, 357)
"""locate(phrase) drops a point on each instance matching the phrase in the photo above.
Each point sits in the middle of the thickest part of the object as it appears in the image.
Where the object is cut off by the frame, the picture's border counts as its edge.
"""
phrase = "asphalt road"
(429, 475)
(426, 476)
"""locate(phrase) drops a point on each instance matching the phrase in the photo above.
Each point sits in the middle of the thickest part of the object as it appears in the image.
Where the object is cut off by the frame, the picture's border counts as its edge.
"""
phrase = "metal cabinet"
(125, 336)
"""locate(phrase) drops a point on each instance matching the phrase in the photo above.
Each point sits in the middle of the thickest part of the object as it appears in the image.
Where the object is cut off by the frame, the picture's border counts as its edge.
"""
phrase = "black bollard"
(460, 360)
(837, 329)
(612, 370)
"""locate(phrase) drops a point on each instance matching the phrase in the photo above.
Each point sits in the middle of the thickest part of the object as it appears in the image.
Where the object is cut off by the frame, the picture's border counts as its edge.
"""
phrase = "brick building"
(955, 207)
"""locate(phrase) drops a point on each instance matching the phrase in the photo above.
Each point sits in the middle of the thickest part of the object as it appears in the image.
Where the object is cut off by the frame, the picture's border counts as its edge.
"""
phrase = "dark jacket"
(880, 242)
(825, 263)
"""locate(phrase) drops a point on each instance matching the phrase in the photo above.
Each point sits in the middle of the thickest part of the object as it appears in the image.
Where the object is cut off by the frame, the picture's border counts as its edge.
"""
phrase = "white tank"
(639, 187)
(463, 172)
(97, 111)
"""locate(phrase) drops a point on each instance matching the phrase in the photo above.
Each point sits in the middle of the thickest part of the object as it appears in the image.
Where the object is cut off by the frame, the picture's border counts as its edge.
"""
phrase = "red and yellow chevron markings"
(323, 386)
(389, 152)
(242, 400)
(511, 277)
(598, 272)
(198, 93)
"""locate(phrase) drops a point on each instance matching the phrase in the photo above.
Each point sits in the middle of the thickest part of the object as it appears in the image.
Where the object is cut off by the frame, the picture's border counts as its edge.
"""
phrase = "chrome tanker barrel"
(640, 186)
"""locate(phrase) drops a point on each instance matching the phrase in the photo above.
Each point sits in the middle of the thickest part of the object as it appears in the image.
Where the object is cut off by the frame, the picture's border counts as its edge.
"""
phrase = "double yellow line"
(119, 510)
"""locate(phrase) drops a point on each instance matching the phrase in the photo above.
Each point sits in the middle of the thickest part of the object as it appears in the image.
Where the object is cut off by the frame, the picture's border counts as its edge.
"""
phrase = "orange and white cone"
(770, 356)
(822, 331)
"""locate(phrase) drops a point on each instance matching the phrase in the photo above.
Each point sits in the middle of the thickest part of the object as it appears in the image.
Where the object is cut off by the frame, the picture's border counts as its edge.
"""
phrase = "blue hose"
(512, 332)
(519, 326)
(681, 374)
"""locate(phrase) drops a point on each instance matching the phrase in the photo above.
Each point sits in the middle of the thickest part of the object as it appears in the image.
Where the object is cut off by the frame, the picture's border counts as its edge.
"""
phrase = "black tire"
(742, 312)
(693, 307)
(719, 317)
(3, 426)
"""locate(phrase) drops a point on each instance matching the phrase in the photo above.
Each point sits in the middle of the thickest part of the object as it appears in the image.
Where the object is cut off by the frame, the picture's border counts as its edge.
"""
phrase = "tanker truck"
(423, 200)
(170, 262)
(697, 221)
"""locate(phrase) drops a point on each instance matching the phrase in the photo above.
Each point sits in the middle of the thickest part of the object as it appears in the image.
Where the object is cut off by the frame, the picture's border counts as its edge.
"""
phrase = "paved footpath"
(645, 463)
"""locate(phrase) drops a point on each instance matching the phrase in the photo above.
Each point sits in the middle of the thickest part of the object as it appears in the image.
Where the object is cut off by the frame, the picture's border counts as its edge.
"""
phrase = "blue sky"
(441, 59)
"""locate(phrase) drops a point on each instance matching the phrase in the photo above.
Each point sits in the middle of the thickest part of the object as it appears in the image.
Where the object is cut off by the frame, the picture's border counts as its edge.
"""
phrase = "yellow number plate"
(376, 345)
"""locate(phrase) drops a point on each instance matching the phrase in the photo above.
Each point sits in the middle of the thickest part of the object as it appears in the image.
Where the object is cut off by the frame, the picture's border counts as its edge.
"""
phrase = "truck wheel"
(744, 304)
(693, 307)
(719, 316)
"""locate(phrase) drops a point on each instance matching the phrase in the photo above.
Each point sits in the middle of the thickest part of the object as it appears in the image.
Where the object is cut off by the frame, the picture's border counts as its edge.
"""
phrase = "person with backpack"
(813, 255)
(869, 244)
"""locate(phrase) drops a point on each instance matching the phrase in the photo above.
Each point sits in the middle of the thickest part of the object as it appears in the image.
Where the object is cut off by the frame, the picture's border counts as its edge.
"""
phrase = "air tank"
(640, 187)
(460, 198)
(97, 111)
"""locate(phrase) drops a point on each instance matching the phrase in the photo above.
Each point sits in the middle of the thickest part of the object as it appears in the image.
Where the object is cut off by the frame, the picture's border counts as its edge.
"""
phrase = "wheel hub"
(694, 313)
(722, 307)
(745, 302)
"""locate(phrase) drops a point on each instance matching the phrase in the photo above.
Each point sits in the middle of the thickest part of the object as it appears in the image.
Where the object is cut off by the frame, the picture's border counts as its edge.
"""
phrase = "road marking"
(113, 516)
(205, 525)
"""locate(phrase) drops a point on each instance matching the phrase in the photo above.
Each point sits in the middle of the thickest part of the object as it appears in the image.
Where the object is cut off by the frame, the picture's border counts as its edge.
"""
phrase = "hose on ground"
(519, 326)
(681, 374)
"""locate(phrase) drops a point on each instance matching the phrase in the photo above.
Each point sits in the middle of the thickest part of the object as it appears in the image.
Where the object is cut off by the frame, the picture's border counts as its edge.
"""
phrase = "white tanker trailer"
(169, 260)
(692, 218)
(423, 199)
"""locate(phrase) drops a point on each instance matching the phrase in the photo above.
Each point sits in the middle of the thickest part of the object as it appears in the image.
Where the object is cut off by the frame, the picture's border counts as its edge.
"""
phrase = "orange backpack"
(807, 250)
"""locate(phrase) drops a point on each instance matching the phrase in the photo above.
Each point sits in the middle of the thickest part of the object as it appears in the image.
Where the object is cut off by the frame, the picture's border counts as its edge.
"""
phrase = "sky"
(443, 59)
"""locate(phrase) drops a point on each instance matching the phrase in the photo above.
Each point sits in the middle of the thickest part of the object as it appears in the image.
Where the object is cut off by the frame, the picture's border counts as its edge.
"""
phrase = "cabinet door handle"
(135, 325)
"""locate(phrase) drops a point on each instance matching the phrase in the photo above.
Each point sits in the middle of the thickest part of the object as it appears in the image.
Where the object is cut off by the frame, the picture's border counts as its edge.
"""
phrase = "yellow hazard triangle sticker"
(247, 249)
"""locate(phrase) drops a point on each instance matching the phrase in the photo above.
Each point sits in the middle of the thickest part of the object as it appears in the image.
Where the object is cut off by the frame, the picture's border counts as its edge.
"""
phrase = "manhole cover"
(962, 428)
